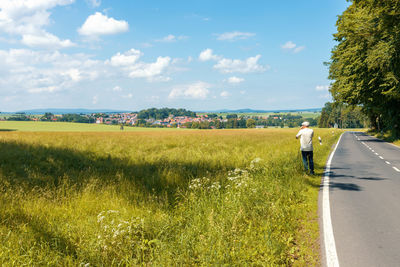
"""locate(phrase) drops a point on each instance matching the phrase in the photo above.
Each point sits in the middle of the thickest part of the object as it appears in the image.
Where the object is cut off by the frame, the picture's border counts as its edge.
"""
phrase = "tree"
(250, 123)
(47, 116)
(365, 65)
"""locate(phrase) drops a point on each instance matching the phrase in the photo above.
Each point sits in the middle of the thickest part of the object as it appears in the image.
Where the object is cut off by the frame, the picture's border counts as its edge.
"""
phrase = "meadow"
(159, 198)
(35, 126)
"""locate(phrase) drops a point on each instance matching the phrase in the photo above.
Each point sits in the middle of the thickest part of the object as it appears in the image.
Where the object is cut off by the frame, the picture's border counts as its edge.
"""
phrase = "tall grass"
(231, 197)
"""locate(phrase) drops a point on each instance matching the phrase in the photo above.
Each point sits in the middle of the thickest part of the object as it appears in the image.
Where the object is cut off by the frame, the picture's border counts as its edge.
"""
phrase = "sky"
(137, 54)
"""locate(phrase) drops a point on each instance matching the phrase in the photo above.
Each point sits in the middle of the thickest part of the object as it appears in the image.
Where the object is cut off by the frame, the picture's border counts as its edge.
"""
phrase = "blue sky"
(199, 55)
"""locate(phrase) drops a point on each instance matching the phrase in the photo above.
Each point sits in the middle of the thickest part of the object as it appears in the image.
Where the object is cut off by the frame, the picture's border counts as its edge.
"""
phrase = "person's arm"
(298, 134)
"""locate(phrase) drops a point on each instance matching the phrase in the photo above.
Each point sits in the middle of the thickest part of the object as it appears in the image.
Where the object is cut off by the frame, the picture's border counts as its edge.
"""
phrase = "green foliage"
(251, 123)
(19, 117)
(365, 64)
(164, 113)
(232, 116)
(77, 118)
(170, 198)
(345, 116)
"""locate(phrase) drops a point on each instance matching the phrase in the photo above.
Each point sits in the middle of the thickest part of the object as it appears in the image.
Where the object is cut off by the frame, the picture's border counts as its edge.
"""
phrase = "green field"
(33, 126)
(159, 198)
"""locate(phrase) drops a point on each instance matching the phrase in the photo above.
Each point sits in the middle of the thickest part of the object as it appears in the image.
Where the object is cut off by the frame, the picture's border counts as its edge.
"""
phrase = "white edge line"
(329, 239)
(397, 170)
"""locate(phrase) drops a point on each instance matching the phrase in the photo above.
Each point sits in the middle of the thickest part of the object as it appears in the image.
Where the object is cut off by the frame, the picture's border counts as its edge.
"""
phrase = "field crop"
(160, 198)
(33, 126)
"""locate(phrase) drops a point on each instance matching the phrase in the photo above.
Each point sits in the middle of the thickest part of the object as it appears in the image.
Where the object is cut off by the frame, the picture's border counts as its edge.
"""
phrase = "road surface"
(364, 197)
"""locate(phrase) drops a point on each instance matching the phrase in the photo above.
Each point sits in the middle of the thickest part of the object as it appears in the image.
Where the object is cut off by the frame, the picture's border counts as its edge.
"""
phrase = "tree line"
(163, 113)
(365, 63)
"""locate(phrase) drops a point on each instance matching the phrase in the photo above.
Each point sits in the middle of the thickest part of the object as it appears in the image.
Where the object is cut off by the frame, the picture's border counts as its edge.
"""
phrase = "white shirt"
(306, 136)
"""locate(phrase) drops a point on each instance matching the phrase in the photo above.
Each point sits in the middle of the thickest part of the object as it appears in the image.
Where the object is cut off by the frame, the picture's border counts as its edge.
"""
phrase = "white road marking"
(363, 143)
(397, 170)
(373, 150)
(329, 239)
(376, 154)
(387, 162)
(380, 157)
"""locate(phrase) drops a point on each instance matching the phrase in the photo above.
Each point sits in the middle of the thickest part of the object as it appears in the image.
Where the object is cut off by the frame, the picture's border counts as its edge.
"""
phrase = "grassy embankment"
(230, 197)
(386, 136)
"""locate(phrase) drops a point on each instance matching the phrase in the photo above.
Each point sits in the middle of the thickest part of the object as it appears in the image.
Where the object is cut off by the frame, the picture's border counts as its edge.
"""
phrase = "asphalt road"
(364, 191)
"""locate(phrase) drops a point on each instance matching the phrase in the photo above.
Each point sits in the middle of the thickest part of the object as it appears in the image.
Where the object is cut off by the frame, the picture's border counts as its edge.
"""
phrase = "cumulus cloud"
(125, 59)
(198, 90)
(322, 87)
(292, 47)
(130, 64)
(235, 80)
(99, 24)
(234, 36)
(117, 88)
(28, 19)
(30, 71)
(226, 65)
(207, 54)
(150, 70)
(45, 40)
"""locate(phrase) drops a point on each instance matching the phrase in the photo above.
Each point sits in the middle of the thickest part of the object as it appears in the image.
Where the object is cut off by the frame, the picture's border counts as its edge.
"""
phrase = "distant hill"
(70, 111)
(247, 110)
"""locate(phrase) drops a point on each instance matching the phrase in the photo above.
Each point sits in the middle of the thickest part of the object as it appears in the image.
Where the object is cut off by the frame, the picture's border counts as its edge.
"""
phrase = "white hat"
(306, 123)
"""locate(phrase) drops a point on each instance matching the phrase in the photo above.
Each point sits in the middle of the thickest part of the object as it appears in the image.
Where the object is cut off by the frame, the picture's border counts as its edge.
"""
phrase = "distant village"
(172, 118)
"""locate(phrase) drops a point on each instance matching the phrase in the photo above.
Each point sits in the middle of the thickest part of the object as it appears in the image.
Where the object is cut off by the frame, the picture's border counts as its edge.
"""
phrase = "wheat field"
(159, 198)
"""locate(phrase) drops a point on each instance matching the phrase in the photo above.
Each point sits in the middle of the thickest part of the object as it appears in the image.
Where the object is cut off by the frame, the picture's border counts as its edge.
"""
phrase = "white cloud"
(149, 70)
(198, 90)
(292, 47)
(48, 89)
(117, 88)
(125, 59)
(233, 36)
(235, 80)
(322, 87)
(171, 38)
(94, 3)
(24, 70)
(207, 54)
(242, 92)
(45, 40)
(130, 64)
(28, 19)
(249, 65)
(288, 45)
(225, 94)
(298, 49)
(226, 65)
(99, 24)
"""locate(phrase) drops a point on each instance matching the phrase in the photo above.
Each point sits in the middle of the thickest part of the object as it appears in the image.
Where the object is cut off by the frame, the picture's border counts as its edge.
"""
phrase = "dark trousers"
(308, 160)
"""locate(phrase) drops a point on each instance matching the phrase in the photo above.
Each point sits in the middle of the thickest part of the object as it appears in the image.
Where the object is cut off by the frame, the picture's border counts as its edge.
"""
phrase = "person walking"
(306, 146)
